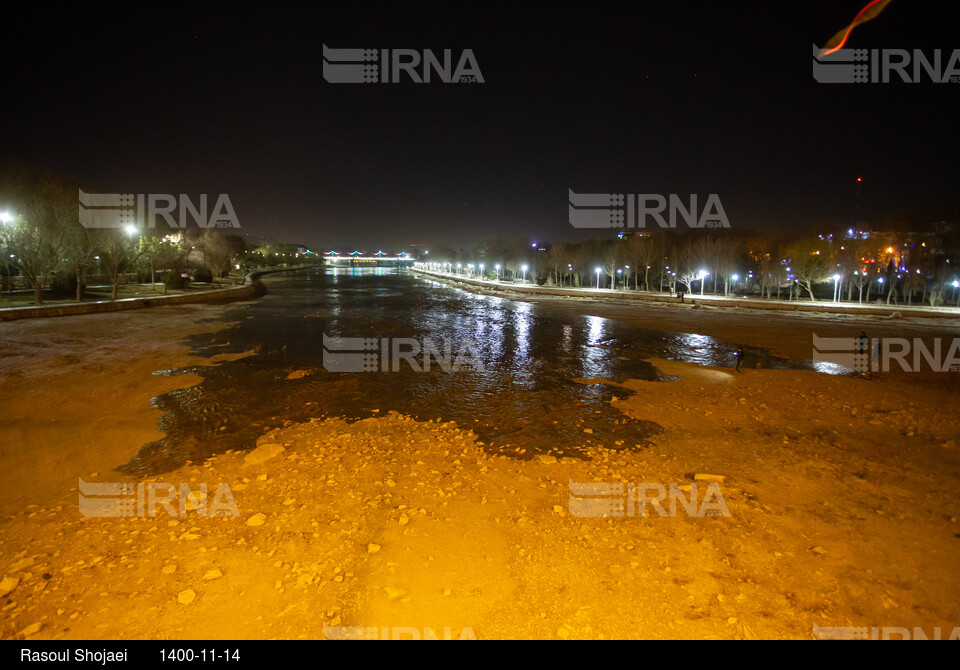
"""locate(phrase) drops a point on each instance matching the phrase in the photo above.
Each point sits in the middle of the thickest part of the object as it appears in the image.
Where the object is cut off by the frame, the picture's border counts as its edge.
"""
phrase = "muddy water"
(516, 386)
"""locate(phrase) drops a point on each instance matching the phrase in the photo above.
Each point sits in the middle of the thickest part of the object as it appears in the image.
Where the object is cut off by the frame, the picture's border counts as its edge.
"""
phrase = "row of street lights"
(449, 267)
(702, 275)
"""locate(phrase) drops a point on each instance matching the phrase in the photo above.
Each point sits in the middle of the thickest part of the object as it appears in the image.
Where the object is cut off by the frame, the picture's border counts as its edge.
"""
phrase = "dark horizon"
(658, 98)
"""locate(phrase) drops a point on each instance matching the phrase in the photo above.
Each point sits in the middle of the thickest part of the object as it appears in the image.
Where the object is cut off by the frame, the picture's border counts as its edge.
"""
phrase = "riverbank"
(745, 303)
(232, 293)
(245, 291)
(788, 334)
(840, 514)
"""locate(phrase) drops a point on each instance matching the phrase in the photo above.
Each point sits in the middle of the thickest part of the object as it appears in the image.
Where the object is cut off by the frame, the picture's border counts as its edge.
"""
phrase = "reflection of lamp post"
(524, 280)
(598, 279)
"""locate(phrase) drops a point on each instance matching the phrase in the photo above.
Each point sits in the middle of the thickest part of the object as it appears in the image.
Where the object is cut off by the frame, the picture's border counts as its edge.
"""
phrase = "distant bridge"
(359, 259)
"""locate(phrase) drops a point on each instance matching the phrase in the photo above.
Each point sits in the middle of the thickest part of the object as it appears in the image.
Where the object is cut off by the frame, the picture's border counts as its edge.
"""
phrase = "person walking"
(739, 356)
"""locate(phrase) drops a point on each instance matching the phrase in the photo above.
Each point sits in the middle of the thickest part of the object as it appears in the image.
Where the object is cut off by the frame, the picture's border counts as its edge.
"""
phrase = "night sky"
(645, 97)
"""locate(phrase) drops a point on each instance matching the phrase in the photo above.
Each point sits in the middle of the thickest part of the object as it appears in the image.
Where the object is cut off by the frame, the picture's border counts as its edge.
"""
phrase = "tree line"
(43, 241)
(900, 265)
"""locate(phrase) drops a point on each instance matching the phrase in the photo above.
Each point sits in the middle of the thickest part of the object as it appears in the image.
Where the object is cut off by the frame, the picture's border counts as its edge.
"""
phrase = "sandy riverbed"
(839, 492)
(75, 392)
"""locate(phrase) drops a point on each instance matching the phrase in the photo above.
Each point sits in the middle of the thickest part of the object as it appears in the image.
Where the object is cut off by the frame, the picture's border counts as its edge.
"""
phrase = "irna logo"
(394, 66)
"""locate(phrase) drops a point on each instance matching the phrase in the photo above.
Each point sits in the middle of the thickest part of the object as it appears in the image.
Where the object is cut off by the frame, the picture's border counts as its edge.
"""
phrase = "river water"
(519, 394)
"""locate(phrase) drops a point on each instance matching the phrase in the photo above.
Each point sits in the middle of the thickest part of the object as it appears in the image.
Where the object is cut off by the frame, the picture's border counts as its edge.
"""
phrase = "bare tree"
(726, 249)
(612, 260)
(807, 263)
(118, 254)
(80, 250)
(35, 236)
(645, 251)
(216, 252)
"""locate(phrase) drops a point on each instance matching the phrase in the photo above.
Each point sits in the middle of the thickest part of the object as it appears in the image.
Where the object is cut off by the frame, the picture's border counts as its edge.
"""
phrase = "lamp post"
(619, 272)
(703, 275)
(481, 271)
(836, 288)
(524, 280)
(598, 279)
(497, 268)
(956, 291)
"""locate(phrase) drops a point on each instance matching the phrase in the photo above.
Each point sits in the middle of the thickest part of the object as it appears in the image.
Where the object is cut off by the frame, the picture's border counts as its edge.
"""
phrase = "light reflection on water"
(523, 396)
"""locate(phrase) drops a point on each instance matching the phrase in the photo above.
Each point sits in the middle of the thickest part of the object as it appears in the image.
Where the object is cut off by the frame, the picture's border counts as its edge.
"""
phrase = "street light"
(620, 272)
(481, 271)
(836, 288)
(6, 217)
(130, 229)
(497, 266)
(703, 274)
(524, 268)
(956, 290)
(598, 279)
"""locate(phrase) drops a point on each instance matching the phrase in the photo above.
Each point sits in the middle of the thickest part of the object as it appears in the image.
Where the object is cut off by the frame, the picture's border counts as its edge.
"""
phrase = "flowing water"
(520, 396)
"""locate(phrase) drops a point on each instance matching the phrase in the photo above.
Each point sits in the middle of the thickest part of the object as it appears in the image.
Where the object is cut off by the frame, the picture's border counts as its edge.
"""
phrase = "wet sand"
(75, 392)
